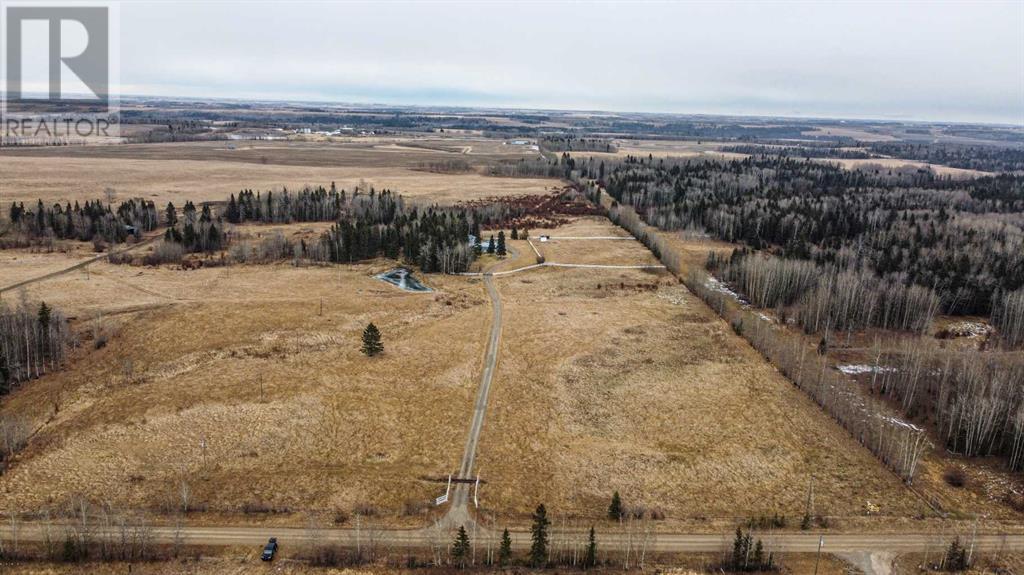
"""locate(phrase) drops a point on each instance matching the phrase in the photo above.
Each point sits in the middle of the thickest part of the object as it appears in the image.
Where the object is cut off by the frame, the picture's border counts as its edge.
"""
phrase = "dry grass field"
(606, 379)
(210, 171)
(605, 382)
(896, 163)
(334, 431)
(22, 264)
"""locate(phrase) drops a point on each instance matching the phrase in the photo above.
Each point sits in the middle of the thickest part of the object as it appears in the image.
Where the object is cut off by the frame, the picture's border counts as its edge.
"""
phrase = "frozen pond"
(402, 278)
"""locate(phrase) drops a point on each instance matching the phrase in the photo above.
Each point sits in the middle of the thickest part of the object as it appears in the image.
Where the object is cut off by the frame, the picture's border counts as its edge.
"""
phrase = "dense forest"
(960, 238)
(982, 158)
(93, 221)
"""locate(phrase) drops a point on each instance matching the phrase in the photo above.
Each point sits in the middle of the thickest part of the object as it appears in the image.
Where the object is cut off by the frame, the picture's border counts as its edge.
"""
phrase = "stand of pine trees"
(197, 231)
(93, 221)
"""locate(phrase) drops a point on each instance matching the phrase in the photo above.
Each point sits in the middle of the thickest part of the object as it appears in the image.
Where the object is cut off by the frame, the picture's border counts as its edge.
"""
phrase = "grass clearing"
(603, 384)
(334, 431)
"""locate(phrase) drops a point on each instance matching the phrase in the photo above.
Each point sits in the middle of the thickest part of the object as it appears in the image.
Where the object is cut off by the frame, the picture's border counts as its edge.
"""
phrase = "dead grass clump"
(414, 507)
(365, 509)
(262, 508)
(955, 476)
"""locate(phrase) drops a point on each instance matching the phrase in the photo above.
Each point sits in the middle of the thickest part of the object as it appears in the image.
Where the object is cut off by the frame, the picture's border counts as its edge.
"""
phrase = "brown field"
(586, 400)
(23, 264)
(334, 429)
(210, 171)
(894, 163)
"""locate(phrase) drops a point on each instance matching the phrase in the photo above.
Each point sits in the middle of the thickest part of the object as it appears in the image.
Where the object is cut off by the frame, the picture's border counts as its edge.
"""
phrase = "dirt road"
(608, 539)
(458, 513)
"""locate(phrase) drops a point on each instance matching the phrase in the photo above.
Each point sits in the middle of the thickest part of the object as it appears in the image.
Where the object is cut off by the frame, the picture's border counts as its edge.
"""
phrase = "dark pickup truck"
(270, 549)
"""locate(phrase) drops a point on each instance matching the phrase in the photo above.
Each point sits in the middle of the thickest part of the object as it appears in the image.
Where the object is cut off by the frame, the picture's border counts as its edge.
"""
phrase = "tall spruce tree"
(539, 537)
(461, 549)
(615, 508)
(371, 341)
(490, 245)
(505, 550)
(501, 244)
(590, 559)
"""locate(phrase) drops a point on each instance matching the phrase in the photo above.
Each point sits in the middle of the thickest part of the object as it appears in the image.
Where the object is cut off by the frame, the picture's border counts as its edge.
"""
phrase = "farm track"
(74, 267)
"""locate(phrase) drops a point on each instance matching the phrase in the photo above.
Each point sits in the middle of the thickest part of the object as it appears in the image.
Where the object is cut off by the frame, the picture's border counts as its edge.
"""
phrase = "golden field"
(623, 380)
(606, 379)
(210, 171)
(334, 430)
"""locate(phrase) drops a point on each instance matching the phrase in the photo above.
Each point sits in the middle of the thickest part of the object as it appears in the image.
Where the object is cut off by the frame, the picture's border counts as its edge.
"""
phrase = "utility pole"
(321, 306)
(821, 542)
(261, 388)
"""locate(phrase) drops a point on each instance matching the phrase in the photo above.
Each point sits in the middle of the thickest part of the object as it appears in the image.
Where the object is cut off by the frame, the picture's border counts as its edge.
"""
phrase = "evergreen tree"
(505, 551)
(490, 245)
(171, 215)
(590, 559)
(539, 537)
(615, 512)
(460, 551)
(501, 244)
(371, 341)
(44, 315)
(956, 557)
(739, 551)
(515, 233)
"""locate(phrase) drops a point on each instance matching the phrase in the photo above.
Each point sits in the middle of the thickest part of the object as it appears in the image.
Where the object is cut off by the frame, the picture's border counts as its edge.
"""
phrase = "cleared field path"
(74, 267)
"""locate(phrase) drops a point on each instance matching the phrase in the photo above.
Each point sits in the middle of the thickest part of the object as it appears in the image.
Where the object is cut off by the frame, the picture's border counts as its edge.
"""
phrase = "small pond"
(403, 279)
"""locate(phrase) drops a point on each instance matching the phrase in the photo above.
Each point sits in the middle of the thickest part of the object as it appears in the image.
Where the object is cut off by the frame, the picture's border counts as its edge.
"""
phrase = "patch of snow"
(968, 329)
(715, 284)
(900, 423)
(855, 369)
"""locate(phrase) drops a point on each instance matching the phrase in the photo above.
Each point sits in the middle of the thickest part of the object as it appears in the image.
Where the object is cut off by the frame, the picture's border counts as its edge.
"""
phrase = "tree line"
(366, 225)
(576, 144)
(92, 221)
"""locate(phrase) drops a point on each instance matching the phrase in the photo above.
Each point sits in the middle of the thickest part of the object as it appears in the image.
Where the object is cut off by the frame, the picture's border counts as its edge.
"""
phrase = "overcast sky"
(958, 61)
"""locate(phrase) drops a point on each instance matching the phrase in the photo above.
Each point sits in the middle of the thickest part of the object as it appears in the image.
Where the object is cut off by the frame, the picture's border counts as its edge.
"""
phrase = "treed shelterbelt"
(366, 225)
(92, 221)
